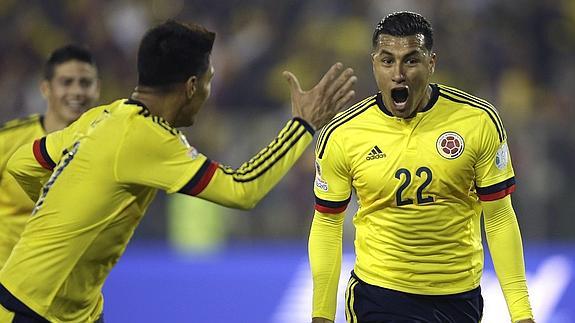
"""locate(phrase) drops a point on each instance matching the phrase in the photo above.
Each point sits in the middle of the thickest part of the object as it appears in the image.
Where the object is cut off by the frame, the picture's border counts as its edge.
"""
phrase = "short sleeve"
(494, 176)
(49, 150)
(158, 156)
(332, 184)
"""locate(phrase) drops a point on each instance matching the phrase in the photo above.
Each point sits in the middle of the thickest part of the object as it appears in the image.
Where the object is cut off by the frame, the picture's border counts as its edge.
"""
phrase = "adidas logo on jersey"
(375, 153)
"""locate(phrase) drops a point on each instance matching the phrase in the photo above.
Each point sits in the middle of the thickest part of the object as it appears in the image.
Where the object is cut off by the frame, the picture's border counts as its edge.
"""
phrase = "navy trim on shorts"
(24, 314)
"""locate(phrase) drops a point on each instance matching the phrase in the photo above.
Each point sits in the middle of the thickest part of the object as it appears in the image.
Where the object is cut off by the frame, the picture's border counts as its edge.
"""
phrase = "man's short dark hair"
(173, 52)
(404, 23)
(65, 54)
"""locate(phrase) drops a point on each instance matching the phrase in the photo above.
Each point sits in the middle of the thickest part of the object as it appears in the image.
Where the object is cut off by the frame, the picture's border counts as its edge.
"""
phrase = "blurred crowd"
(516, 54)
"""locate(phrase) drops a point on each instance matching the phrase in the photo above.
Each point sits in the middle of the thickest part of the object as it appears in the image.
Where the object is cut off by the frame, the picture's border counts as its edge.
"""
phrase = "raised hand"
(318, 105)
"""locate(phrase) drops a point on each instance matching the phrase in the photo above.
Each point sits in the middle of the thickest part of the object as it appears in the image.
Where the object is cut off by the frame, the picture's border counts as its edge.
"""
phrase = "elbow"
(248, 203)
(247, 200)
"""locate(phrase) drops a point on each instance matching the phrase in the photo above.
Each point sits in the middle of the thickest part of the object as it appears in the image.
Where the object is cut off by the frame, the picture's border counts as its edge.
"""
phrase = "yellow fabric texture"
(110, 163)
(325, 249)
(504, 239)
(15, 205)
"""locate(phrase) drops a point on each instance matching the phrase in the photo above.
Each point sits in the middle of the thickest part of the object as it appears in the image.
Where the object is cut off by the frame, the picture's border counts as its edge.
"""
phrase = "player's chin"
(73, 115)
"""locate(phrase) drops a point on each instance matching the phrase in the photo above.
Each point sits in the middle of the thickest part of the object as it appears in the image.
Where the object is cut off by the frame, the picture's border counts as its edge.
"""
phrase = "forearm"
(244, 187)
(325, 252)
(506, 251)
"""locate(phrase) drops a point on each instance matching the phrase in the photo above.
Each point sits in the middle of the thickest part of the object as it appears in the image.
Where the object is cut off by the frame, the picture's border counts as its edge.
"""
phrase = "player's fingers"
(293, 81)
(344, 101)
(341, 81)
(331, 74)
(347, 85)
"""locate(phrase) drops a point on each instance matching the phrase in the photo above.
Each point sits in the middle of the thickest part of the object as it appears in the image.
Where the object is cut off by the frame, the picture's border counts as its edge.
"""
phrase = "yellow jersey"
(105, 170)
(15, 205)
(419, 183)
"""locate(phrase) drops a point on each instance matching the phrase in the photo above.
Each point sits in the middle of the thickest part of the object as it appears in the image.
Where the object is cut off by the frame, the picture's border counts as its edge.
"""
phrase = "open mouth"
(400, 94)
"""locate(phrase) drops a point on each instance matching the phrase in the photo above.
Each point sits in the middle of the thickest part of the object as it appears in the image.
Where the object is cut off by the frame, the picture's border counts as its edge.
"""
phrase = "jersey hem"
(417, 291)
(28, 302)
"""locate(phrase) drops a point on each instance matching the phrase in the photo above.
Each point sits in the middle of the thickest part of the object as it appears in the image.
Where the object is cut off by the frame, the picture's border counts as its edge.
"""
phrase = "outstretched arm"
(246, 186)
(506, 251)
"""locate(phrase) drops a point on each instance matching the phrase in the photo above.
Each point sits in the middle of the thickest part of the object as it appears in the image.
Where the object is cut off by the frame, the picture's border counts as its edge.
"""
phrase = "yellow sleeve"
(332, 184)
(506, 250)
(494, 175)
(332, 190)
(32, 164)
(244, 187)
(325, 252)
(155, 155)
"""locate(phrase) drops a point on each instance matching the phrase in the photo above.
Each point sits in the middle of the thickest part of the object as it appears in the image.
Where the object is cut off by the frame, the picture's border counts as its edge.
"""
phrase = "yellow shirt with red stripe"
(418, 182)
(15, 205)
(114, 159)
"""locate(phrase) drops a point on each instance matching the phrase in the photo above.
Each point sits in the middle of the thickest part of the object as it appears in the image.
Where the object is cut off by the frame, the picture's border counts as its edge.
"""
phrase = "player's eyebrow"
(385, 52)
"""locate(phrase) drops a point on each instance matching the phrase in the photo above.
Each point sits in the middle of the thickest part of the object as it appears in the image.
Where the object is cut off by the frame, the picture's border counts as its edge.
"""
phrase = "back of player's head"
(404, 23)
(65, 54)
(173, 52)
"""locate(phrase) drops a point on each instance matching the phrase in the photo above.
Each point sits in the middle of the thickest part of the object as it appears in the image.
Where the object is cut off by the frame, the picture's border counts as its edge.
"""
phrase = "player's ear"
(432, 62)
(45, 88)
(191, 86)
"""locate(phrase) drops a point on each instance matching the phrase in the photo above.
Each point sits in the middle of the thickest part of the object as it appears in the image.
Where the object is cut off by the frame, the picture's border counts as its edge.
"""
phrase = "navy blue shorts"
(365, 303)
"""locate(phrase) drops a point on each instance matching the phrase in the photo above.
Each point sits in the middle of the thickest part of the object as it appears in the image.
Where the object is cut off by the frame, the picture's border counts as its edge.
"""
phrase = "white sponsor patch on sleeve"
(321, 184)
(502, 157)
(193, 152)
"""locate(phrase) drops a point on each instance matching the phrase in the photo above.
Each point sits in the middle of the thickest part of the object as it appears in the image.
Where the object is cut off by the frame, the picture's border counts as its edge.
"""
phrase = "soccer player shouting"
(70, 86)
(106, 168)
(426, 161)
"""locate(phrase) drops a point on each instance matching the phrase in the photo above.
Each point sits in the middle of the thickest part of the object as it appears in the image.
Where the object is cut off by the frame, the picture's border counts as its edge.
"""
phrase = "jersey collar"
(135, 102)
(432, 99)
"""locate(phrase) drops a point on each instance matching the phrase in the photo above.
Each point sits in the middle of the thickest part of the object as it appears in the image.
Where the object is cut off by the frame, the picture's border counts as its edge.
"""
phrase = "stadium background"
(192, 261)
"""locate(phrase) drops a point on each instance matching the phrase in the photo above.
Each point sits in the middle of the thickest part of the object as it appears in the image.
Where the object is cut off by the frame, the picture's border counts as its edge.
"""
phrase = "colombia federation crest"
(450, 145)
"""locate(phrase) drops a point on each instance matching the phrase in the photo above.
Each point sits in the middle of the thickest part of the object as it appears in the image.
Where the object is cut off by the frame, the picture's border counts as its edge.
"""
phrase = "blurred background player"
(70, 86)
(427, 163)
(108, 166)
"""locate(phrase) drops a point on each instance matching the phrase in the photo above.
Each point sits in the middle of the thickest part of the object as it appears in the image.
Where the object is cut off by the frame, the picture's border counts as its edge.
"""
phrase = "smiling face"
(403, 67)
(72, 90)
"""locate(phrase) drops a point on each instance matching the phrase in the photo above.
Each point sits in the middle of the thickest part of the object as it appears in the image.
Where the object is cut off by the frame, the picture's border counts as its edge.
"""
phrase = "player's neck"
(161, 104)
(424, 101)
(51, 122)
